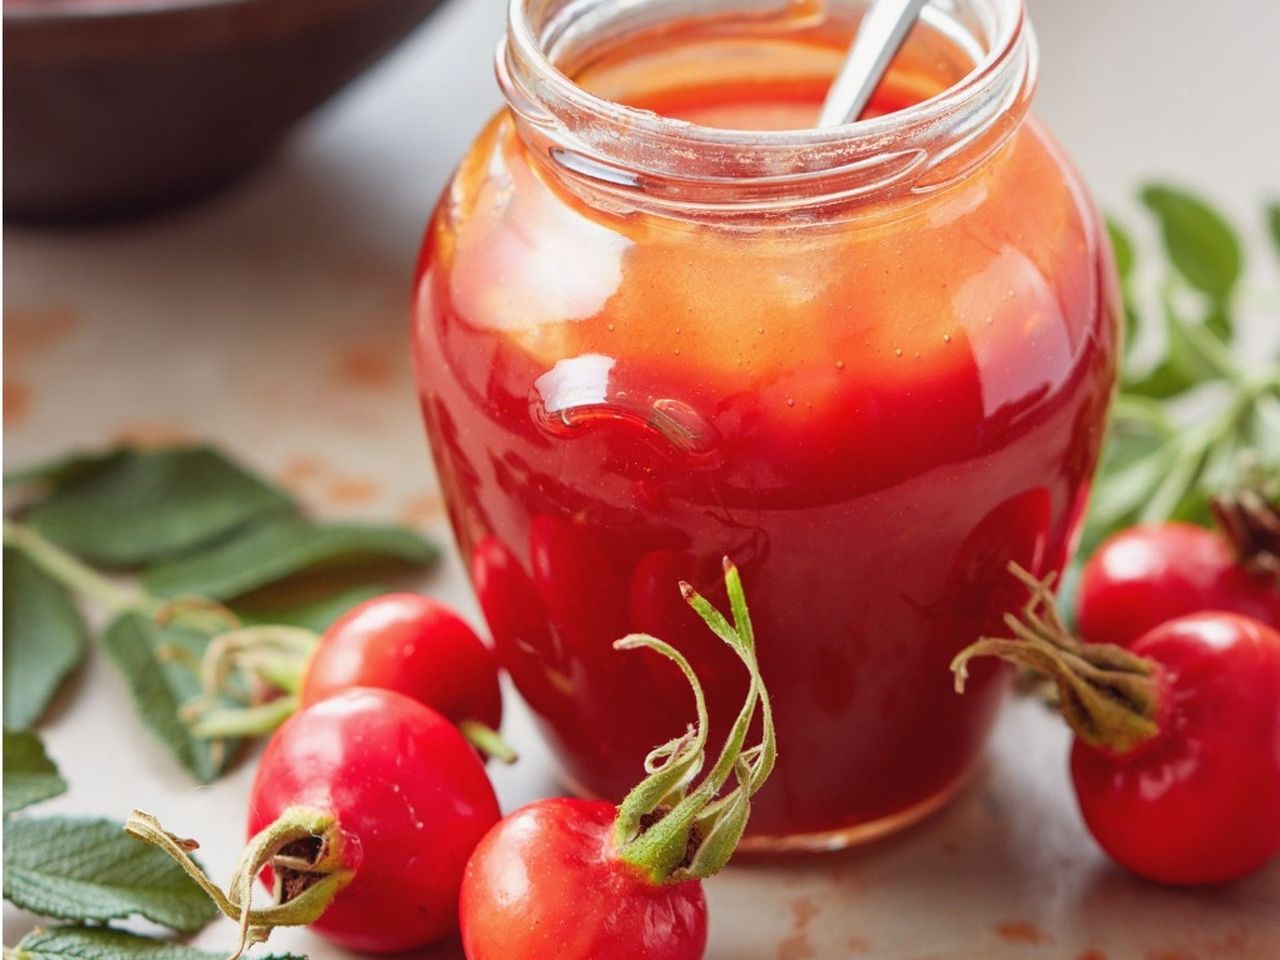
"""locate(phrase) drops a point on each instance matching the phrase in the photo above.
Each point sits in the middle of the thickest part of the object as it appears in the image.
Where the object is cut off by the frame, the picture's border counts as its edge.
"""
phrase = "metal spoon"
(880, 35)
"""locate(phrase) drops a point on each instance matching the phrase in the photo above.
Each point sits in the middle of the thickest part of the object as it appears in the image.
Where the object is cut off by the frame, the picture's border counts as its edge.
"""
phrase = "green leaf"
(103, 943)
(1165, 380)
(282, 548)
(149, 505)
(160, 665)
(1273, 221)
(29, 775)
(1193, 355)
(1122, 249)
(1179, 482)
(1262, 429)
(44, 639)
(315, 615)
(1139, 449)
(54, 474)
(1200, 243)
(86, 869)
(1121, 491)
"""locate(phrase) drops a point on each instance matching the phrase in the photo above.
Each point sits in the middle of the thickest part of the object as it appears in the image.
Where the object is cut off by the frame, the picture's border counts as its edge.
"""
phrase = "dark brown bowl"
(120, 107)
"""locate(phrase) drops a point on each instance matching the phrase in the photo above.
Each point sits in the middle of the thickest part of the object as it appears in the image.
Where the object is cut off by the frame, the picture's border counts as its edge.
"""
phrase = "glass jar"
(871, 364)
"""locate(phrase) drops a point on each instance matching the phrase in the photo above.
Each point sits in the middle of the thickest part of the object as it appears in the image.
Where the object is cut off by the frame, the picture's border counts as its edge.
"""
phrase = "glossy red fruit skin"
(411, 796)
(413, 645)
(1200, 803)
(1143, 576)
(545, 883)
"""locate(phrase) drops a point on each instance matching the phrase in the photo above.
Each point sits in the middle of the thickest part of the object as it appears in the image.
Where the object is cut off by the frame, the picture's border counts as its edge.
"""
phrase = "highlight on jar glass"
(661, 317)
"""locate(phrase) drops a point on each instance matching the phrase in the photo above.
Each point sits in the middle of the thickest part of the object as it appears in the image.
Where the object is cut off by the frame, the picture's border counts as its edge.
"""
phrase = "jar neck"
(639, 159)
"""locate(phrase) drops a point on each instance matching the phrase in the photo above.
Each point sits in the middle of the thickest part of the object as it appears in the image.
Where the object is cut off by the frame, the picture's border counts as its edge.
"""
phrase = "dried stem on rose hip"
(1250, 518)
(1108, 695)
(672, 831)
(304, 850)
(252, 677)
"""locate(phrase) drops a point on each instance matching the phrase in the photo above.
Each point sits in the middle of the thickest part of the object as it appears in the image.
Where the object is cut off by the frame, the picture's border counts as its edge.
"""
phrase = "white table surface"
(272, 319)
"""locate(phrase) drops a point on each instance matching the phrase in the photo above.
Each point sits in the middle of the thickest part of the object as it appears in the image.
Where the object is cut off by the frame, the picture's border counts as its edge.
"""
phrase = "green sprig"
(667, 828)
(194, 530)
(1201, 418)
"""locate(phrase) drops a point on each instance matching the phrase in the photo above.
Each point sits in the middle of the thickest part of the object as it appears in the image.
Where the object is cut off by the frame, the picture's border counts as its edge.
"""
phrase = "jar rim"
(570, 118)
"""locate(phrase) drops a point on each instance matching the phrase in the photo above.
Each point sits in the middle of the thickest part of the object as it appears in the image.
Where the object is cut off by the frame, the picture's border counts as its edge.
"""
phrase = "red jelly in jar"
(660, 319)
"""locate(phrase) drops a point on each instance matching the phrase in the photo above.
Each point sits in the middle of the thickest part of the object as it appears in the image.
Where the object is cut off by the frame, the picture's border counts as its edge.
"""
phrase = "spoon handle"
(883, 29)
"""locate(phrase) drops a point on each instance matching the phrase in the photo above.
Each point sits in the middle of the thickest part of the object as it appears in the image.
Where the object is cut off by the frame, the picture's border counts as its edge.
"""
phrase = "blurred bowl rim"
(40, 34)
(61, 11)
(52, 10)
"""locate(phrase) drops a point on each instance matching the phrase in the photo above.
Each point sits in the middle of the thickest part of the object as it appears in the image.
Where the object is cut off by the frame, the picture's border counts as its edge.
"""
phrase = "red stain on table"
(299, 470)
(856, 945)
(1169, 955)
(422, 509)
(315, 480)
(1021, 931)
(1232, 945)
(1093, 953)
(17, 402)
(28, 332)
(1244, 944)
(799, 946)
(352, 490)
(366, 366)
(32, 330)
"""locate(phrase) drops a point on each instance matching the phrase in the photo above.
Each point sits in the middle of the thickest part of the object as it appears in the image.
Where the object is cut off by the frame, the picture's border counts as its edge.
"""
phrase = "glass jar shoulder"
(1005, 270)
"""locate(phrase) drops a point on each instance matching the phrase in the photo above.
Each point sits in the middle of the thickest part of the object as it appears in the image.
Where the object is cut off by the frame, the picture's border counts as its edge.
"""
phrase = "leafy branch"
(1201, 419)
(183, 522)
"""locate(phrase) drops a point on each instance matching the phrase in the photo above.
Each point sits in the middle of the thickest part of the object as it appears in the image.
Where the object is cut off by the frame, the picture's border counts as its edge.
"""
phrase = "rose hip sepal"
(582, 880)
(404, 642)
(1176, 761)
(362, 815)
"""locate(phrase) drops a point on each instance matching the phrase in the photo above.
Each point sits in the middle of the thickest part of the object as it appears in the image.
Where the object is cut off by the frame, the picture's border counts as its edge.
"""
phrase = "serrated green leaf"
(44, 639)
(315, 615)
(87, 869)
(281, 548)
(1199, 241)
(103, 943)
(29, 775)
(150, 505)
(159, 664)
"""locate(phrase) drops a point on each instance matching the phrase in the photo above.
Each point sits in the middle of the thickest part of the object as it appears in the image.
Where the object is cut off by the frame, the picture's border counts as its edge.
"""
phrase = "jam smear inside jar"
(658, 321)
